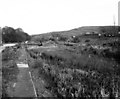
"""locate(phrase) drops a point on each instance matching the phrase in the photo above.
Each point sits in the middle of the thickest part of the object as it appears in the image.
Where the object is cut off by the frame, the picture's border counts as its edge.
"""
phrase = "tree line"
(11, 35)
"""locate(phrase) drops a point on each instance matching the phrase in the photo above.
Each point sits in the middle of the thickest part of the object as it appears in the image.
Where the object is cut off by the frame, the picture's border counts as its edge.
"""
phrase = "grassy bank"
(9, 69)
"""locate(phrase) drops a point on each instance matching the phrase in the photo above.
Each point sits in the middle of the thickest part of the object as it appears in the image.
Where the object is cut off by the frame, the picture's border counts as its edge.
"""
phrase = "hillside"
(80, 31)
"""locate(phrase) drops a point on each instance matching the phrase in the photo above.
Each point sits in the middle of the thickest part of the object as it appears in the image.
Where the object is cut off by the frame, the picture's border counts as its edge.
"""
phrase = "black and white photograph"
(60, 49)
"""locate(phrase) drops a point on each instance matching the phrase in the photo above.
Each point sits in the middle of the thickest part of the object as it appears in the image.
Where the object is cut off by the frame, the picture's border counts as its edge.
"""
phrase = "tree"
(11, 35)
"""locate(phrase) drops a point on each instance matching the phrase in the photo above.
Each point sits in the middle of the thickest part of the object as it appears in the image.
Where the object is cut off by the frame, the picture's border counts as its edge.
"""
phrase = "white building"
(87, 33)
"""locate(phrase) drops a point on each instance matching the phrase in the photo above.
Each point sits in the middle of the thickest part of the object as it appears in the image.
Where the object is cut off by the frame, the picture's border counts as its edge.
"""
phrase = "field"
(64, 64)
(85, 69)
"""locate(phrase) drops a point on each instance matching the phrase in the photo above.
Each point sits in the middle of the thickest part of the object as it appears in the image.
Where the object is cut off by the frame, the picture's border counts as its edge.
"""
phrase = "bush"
(9, 54)
(87, 40)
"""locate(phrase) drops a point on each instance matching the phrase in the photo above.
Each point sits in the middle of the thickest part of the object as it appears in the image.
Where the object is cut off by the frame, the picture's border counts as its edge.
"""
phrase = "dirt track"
(24, 86)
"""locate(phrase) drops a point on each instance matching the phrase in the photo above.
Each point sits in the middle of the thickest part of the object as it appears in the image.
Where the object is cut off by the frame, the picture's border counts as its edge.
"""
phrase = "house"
(99, 34)
(87, 33)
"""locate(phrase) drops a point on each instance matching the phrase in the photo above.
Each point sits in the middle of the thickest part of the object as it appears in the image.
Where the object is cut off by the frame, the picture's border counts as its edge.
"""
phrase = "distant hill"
(80, 31)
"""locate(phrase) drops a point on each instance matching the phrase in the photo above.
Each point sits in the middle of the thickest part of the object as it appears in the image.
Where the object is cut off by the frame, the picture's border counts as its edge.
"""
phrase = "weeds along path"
(24, 87)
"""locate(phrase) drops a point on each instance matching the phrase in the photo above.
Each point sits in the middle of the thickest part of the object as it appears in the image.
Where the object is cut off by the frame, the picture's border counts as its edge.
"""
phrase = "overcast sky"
(41, 16)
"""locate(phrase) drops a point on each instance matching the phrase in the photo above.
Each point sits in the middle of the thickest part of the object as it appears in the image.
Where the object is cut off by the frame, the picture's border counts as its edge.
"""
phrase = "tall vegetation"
(9, 69)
